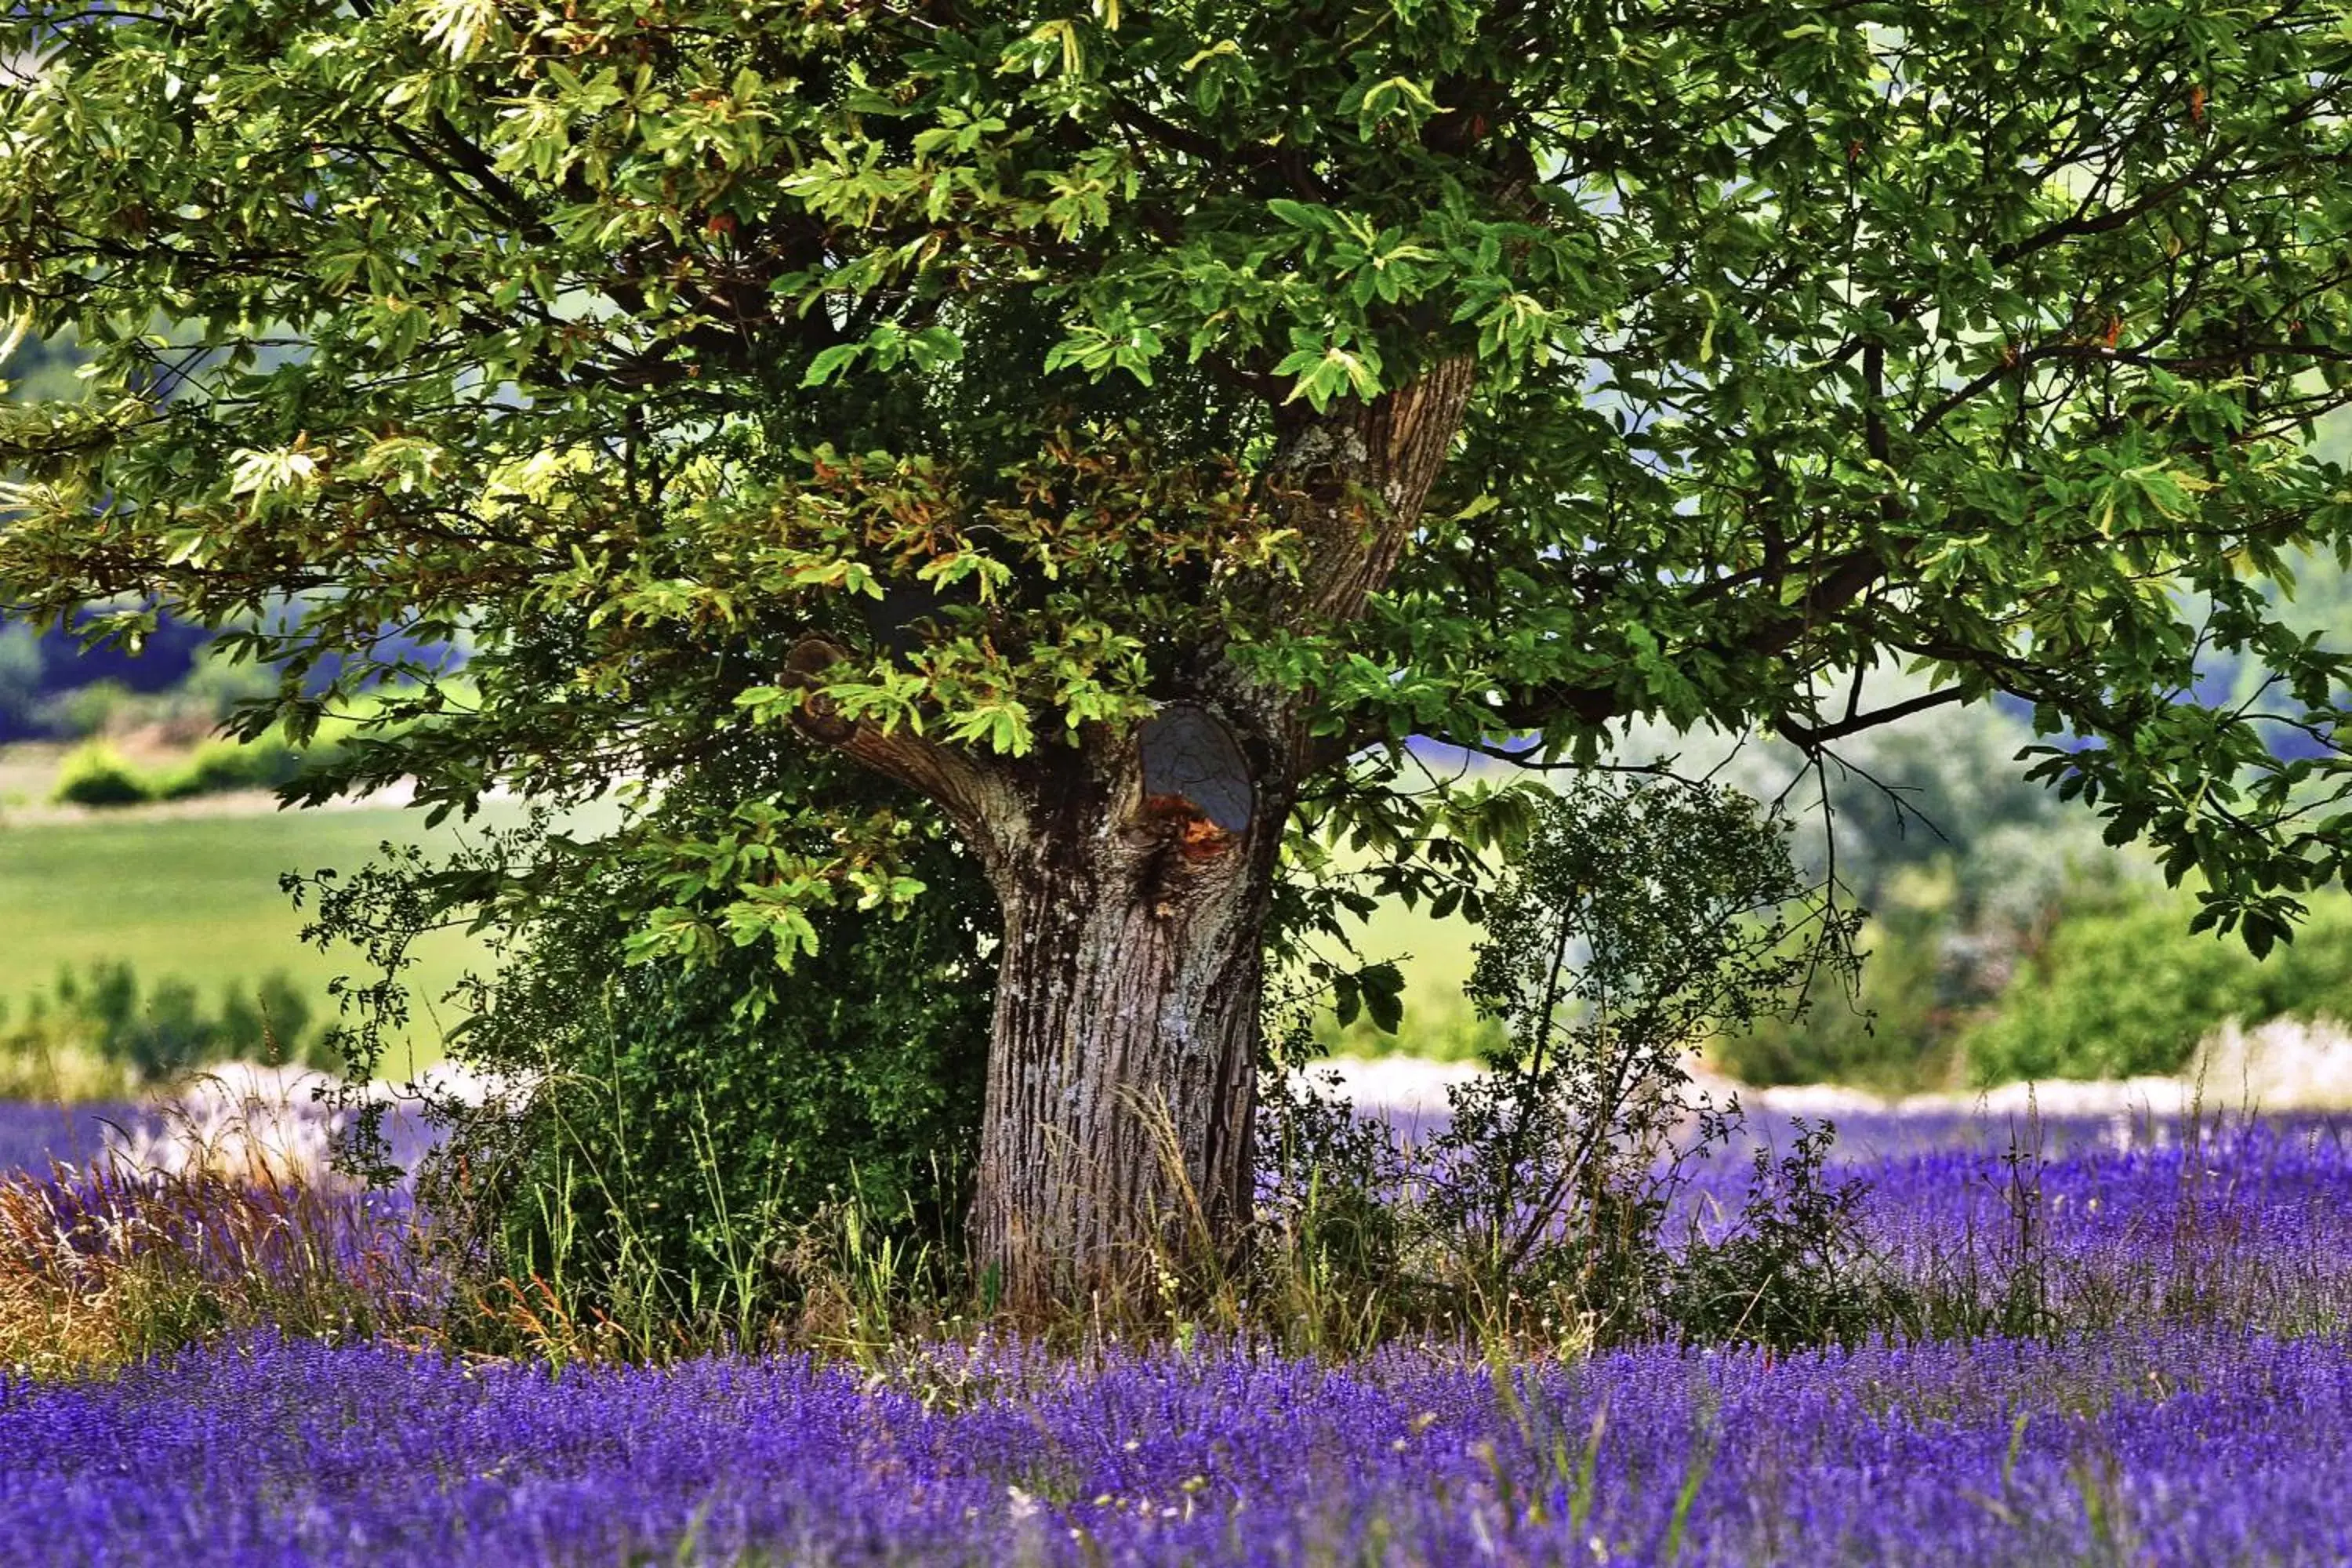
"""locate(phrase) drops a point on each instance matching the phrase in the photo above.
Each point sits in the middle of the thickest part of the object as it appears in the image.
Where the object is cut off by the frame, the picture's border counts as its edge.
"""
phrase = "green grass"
(197, 899)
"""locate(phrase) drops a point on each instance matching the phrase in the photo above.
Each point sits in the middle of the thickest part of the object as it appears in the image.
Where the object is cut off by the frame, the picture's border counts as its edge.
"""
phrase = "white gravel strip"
(248, 1121)
(1408, 1085)
(2285, 1065)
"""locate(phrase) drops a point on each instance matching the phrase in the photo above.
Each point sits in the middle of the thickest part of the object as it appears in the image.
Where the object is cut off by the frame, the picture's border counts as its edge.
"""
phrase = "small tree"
(1641, 919)
(1638, 922)
(1108, 419)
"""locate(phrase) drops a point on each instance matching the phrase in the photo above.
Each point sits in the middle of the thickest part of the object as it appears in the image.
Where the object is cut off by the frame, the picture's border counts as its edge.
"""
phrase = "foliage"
(1935, 821)
(1792, 1268)
(155, 1032)
(1638, 922)
(36, 369)
(671, 1132)
(619, 334)
(38, 1068)
(963, 393)
(2124, 989)
(20, 671)
(1930, 827)
(93, 708)
(1888, 1034)
(216, 767)
(98, 774)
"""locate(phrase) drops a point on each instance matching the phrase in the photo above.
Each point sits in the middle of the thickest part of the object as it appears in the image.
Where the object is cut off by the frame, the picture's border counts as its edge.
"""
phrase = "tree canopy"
(968, 386)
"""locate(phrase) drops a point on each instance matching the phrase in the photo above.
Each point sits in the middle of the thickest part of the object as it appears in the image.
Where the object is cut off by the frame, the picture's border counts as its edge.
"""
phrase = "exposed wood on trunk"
(1122, 1079)
(1195, 778)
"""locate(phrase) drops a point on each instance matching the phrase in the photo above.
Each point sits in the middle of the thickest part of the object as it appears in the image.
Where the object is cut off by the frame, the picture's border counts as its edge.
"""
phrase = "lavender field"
(2132, 1344)
(2172, 1445)
(32, 1135)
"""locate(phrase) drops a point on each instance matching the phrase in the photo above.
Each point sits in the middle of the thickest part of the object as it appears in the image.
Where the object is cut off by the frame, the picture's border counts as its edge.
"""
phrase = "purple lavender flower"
(2163, 1445)
(2203, 1415)
(34, 1134)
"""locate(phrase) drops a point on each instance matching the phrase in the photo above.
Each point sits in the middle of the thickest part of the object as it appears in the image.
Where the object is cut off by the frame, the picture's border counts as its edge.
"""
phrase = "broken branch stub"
(1195, 776)
(815, 717)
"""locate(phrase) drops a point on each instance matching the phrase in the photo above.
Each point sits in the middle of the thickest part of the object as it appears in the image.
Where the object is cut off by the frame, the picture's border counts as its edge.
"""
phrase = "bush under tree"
(1641, 921)
(666, 1141)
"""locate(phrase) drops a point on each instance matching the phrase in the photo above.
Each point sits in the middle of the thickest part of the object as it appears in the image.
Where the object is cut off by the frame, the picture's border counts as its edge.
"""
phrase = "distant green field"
(197, 899)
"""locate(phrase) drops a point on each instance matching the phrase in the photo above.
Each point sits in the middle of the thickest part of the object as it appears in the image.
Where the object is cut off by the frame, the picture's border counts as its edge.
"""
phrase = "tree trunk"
(1122, 1079)
(1135, 873)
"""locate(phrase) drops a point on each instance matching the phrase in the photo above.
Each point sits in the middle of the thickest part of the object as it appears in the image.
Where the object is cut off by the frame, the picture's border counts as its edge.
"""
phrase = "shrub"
(668, 1162)
(273, 1024)
(2128, 989)
(103, 1014)
(91, 709)
(1638, 920)
(217, 767)
(51, 1057)
(1889, 1035)
(682, 1128)
(1792, 1271)
(97, 775)
(20, 676)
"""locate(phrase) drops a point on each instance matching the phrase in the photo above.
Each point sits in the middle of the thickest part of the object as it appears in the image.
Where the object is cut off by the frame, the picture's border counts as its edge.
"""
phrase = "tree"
(1115, 422)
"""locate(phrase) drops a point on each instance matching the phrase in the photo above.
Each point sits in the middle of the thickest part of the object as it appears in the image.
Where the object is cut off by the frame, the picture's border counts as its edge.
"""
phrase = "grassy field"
(195, 898)
(191, 894)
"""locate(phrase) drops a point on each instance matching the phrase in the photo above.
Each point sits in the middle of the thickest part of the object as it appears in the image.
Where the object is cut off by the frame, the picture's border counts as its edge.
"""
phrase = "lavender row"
(36, 1135)
(2022, 1222)
(2203, 1445)
(2012, 1225)
(2246, 1222)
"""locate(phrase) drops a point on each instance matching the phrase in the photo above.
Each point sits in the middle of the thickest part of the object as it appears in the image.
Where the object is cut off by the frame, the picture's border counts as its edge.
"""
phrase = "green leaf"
(830, 362)
(1383, 993)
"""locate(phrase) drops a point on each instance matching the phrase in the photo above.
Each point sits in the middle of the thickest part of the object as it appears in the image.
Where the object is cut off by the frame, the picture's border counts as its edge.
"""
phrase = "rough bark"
(1362, 474)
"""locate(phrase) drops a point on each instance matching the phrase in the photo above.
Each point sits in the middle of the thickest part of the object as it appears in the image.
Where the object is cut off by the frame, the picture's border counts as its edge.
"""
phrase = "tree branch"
(1810, 736)
(1378, 459)
(979, 799)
